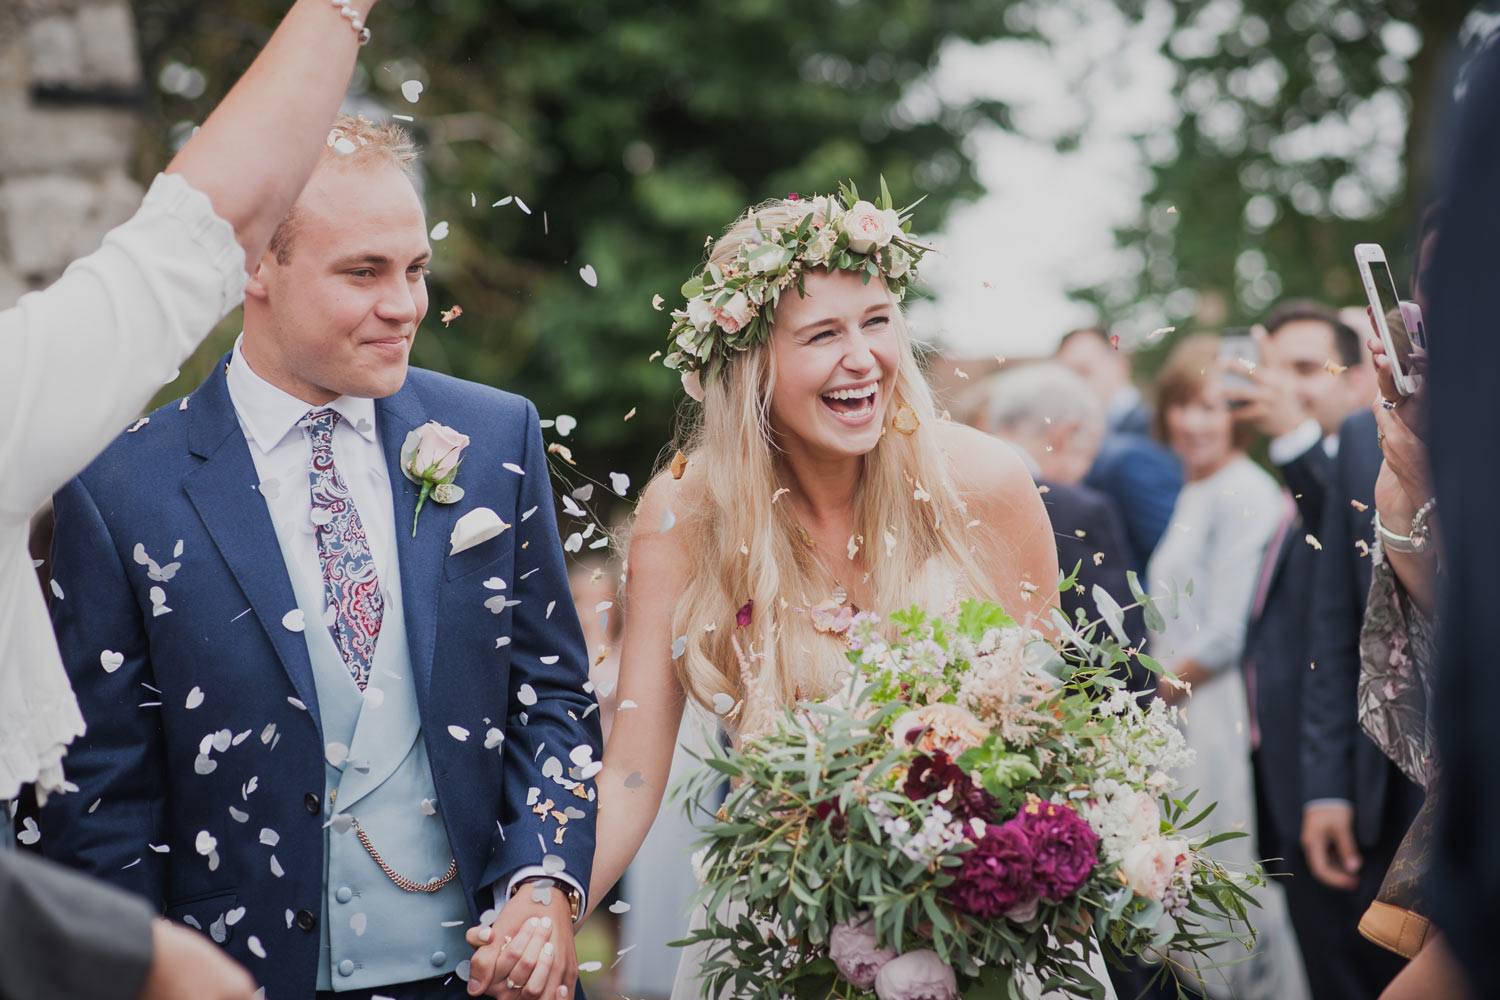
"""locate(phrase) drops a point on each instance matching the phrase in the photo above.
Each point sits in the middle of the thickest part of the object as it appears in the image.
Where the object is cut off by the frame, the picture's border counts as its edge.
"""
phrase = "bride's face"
(835, 351)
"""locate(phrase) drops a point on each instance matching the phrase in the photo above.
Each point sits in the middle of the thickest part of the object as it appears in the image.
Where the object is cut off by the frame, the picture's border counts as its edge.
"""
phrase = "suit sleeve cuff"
(1294, 443)
(1316, 803)
(537, 871)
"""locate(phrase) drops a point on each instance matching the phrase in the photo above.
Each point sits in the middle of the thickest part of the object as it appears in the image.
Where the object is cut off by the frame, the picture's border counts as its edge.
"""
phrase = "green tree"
(632, 130)
(1280, 160)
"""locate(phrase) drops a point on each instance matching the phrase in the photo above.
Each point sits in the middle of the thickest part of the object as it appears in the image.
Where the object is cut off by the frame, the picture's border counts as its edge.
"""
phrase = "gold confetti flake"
(1361, 507)
(630, 414)
(906, 421)
(679, 465)
(449, 315)
(1311, 540)
(779, 494)
(1333, 368)
(1098, 558)
(562, 451)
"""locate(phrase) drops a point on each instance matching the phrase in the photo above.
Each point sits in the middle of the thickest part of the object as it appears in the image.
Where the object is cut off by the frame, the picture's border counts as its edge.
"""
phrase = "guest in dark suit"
(1049, 414)
(1134, 471)
(1465, 415)
(1311, 378)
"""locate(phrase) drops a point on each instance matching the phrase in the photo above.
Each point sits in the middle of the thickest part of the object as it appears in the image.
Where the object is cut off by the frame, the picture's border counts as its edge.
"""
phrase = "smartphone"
(1237, 352)
(1390, 315)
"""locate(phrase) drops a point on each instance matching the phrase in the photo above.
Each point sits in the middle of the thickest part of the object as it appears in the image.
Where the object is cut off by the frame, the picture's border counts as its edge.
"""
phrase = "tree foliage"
(632, 130)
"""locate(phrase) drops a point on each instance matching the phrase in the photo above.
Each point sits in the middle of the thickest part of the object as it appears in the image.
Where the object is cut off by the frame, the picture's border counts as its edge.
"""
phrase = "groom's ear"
(257, 286)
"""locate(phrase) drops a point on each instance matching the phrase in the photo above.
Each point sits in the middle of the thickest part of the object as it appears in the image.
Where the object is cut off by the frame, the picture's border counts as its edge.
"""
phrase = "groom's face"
(337, 316)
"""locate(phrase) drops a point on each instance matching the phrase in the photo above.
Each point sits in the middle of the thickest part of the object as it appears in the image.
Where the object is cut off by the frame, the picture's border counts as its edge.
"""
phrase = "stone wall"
(70, 81)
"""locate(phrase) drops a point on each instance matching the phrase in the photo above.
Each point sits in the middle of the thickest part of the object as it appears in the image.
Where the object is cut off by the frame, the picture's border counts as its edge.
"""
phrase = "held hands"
(528, 953)
(1329, 844)
(185, 965)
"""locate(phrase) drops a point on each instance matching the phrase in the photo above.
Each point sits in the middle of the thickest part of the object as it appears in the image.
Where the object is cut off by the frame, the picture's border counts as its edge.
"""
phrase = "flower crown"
(732, 307)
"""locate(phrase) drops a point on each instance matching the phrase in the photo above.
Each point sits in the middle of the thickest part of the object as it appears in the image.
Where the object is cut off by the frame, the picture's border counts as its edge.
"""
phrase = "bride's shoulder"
(667, 509)
(984, 466)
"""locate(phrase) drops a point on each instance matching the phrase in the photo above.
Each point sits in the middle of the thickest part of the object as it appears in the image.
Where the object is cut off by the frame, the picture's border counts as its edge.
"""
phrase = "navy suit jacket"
(1278, 655)
(1338, 760)
(187, 479)
(1143, 480)
(1078, 509)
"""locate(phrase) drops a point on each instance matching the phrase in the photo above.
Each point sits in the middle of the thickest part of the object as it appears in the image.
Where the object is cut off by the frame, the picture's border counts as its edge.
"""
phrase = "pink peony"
(1065, 846)
(857, 953)
(917, 975)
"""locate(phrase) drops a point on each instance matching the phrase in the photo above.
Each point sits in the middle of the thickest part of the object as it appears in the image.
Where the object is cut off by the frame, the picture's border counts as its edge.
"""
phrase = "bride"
(819, 478)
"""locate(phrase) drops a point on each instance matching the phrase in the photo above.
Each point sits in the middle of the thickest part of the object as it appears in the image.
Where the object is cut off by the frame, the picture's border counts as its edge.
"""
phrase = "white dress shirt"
(282, 452)
(80, 361)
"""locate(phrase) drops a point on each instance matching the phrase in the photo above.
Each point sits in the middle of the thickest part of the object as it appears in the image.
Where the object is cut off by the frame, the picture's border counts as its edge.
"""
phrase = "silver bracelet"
(1421, 524)
(1391, 541)
(351, 15)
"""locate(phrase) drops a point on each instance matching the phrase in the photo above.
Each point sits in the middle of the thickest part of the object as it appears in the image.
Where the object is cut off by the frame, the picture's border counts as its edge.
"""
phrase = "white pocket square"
(477, 526)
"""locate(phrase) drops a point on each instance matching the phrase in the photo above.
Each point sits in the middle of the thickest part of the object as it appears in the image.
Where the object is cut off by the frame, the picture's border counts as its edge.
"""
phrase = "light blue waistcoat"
(373, 933)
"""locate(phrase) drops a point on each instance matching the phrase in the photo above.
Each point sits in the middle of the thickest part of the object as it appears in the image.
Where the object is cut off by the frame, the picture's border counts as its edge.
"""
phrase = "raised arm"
(638, 756)
(83, 356)
(256, 150)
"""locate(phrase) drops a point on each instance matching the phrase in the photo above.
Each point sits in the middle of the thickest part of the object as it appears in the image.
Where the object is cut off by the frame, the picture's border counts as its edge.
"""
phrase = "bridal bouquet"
(978, 810)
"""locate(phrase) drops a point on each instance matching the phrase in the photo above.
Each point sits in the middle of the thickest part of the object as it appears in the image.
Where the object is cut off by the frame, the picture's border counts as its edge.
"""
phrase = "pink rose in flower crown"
(858, 955)
(1148, 866)
(869, 227)
(917, 975)
(734, 314)
(1065, 847)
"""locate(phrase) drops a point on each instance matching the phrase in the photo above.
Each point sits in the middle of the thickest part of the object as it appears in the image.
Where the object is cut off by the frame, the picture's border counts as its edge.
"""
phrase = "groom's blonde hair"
(353, 141)
(912, 526)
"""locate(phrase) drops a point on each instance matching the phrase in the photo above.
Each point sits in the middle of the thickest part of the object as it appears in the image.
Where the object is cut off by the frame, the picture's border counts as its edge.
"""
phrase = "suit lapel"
(224, 491)
(420, 558)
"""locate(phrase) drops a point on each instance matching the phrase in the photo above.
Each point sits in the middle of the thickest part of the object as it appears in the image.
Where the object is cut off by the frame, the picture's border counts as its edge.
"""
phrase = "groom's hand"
(527, 953)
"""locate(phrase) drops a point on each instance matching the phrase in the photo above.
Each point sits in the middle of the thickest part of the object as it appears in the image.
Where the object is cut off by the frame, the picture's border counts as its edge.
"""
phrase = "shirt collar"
(270, 413)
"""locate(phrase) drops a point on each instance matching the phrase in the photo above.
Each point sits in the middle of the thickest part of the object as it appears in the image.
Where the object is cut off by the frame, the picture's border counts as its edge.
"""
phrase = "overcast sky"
(1046, 223)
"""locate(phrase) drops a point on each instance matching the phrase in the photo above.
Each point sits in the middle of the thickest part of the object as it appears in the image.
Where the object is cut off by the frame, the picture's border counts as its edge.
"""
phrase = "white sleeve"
(1243, 525)
(82, 357)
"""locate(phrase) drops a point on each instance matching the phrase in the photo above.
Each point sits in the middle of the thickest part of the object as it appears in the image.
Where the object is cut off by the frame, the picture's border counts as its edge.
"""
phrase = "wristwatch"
(574, 897)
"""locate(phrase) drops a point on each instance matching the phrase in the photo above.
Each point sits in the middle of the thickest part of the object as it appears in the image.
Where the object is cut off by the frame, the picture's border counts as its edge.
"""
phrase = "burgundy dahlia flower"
(995, 876)
(1065, 846)
(931, 773)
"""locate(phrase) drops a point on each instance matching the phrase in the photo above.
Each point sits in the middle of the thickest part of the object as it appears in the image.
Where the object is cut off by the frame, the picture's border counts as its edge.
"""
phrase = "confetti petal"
(412, 91)
(458, 733)
(589, 275)
(111, 660)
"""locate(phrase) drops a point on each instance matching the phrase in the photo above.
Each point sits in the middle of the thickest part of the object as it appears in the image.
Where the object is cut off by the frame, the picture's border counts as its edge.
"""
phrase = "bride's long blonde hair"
(750, 548)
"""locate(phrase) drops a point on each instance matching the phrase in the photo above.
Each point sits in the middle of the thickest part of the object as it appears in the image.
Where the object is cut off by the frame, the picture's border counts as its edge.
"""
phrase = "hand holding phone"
(1390, 316)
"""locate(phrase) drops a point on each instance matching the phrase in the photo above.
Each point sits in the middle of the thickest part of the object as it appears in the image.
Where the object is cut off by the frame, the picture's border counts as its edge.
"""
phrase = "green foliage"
(1250, 202)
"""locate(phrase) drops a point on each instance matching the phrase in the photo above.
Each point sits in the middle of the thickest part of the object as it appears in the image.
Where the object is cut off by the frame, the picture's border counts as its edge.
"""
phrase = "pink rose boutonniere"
(430, 457)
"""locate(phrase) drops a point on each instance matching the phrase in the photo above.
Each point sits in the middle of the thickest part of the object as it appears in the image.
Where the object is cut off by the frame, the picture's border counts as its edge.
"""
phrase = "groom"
(325, 727)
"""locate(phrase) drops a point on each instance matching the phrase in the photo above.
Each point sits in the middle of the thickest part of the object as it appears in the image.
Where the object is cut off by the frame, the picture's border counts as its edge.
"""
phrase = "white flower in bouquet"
(1122, 817)
(1148, 867)
(1002, 689)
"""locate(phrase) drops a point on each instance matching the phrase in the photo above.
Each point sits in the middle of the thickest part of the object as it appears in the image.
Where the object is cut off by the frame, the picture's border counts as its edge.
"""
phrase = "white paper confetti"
(293, 620)
(111, 660)
(412, 91)
(458, 733)
(619, 482)
(194, 698)
(526, 695)
(439, 231)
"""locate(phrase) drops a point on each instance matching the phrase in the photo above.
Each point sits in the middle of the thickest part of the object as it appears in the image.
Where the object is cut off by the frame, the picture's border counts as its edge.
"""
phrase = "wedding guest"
(1465, 301)
(1398, 665)
(1311, 377)
(1219, 530)
(1136, 472)
(1052, 419)
(82, 357)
